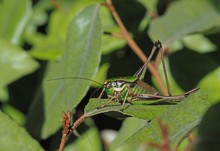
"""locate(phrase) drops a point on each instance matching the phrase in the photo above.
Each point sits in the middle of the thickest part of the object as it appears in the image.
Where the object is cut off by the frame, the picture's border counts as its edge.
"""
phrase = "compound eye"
(107, 84)
(114, 84)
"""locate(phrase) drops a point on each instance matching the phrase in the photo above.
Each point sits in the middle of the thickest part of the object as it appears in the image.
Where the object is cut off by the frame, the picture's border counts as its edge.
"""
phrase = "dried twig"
(68, 128)
(165, 145)
(137, 50)
(192, 141)
(55, 4)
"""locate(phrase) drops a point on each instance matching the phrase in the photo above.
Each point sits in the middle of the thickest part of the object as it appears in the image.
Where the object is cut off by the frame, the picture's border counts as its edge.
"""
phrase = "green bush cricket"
(132, 88)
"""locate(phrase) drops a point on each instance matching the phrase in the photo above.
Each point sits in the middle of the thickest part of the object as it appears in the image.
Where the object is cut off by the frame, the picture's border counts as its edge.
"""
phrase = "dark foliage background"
(42, 40)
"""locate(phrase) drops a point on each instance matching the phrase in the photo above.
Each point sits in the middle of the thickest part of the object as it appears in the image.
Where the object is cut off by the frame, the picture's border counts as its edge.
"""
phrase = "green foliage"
(135, 110)
(14, 136)
(173, 27)
(66, 94)
(14, 17)
(44, 44)
(14, 60)
(177, 118)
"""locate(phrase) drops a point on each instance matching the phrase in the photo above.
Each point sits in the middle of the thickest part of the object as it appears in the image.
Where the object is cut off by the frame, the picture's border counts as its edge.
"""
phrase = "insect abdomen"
(143, 88)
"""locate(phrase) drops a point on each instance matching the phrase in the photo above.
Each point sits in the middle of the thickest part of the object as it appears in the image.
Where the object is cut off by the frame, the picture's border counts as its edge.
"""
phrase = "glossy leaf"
(195, 16)
(14, 114)
(101, 75)
(3, 94)
(150, 5)
(140, 109)
(109, 42)
(180, 119)
(14, 137)
(81, 59)
(199, 43)
(51, 46)
(210, 84)
(14, 63)
(128, 128)
(14, 16)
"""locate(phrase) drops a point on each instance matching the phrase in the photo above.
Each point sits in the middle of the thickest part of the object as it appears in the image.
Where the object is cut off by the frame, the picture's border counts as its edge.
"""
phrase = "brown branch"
(55, 4)
(68, 128)
(117, 35)
(66, 122)
(192, 141)
(165, 145)
(137, 50)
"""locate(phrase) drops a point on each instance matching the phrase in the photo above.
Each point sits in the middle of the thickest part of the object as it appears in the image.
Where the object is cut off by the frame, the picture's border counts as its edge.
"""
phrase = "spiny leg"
(111, 99)
(125, 99)
(102, 106)
(101, 94)
(165, 71)
(141, 72)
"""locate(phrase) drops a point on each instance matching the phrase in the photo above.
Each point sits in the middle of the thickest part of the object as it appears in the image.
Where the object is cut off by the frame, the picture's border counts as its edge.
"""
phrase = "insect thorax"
(118, 88)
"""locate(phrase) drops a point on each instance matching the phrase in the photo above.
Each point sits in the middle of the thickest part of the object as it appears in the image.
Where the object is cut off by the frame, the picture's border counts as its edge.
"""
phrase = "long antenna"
(68, 78)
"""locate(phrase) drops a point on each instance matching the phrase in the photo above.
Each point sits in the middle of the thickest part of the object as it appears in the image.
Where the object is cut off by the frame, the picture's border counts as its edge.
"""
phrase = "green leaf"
(14, 137)
(81, 59)
(4, 94)
(14, 63)
(48, 48)
(14, 16)
(150, 5)
(199, 43)
(140, 109)
(51, 46)
(210, 84)
(110, 43)
(195, 16)
(101, 74)
(129, 127)
(180, 119)
(14, 113)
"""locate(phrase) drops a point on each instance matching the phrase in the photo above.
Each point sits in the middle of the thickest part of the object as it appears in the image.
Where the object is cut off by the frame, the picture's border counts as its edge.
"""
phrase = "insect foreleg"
(101, 94)
(105, 104)
(125, 99)
(111, 99)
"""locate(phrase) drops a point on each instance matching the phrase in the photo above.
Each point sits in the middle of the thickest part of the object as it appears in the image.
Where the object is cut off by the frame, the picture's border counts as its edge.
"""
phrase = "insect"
(131, 88)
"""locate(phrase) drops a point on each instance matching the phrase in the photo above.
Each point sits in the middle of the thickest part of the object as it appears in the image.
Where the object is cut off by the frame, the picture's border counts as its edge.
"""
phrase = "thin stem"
(67, 129)
(63, 142)
(55, 4)
(137, 50)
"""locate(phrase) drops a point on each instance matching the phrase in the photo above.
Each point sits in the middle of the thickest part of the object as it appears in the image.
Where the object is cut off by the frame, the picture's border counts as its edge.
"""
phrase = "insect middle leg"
(112, 98)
